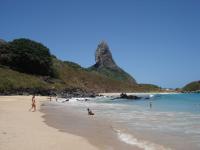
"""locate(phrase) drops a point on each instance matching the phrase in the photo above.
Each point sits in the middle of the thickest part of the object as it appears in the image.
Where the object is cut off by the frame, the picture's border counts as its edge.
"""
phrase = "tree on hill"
(27, 56)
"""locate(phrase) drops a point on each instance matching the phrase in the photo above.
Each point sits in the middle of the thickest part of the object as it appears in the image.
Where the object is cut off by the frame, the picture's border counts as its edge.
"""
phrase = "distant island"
(28, 67)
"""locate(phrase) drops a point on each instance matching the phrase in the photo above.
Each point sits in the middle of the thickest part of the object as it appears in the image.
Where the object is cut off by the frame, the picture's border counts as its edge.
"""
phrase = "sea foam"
(146, 145)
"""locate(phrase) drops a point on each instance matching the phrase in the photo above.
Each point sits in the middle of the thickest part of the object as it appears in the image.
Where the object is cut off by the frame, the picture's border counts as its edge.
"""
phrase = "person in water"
(90, 112)
(150, 105)
(33, 105)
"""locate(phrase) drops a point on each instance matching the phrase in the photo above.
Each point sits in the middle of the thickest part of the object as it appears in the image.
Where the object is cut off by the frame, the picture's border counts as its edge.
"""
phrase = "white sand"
(24, 130)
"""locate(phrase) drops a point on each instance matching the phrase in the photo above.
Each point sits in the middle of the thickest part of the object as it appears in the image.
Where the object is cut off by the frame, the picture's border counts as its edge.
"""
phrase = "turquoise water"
(167, 102)
(173, 121)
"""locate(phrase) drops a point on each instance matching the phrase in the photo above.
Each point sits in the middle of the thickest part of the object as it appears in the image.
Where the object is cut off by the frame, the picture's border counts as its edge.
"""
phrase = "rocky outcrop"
(64, 93)
(103, 57)
(106, 65)
(125, 96)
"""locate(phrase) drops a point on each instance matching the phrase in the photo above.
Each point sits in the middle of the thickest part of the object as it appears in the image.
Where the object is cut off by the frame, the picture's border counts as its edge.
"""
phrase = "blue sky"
(156, 41)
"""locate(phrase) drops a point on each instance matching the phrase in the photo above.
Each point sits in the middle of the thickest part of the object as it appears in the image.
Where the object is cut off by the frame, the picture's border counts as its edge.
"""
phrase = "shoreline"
(97, 131)
(137, 93)
(71, 117)
(22, 130)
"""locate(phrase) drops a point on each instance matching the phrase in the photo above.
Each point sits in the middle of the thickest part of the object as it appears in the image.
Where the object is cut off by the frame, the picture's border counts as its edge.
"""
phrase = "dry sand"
(24, 130)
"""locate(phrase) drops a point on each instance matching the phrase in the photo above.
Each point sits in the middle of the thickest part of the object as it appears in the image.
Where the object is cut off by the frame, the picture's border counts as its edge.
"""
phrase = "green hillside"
(192, 87)
(69, 77)
(58, 75)
(119, 75)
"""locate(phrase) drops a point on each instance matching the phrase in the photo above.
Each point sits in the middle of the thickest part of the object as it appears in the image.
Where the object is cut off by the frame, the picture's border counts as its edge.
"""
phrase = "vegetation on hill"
(25, 64)
(112, 73)
(73, 65)
(81, 77)
(27, 56)
(192, 87)
(68, 78)
(150, 87)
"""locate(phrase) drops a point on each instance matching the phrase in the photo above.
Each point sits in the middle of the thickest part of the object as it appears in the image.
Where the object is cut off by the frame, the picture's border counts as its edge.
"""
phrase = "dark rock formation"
(28, 91)
(125, 96)
(106, 65)
(64, 93)
(75, 92)
(103, 57)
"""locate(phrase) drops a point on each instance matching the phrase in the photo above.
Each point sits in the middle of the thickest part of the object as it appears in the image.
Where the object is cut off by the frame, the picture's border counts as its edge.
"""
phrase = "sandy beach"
(21, 129)
(66, 125)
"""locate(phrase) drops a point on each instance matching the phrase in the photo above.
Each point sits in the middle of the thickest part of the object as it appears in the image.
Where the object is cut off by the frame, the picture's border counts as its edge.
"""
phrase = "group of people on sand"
(33, 106)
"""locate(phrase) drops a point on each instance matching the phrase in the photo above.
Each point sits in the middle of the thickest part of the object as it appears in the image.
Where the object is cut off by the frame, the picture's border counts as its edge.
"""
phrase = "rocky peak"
(106, 65)
(2, 42)
(103, 56)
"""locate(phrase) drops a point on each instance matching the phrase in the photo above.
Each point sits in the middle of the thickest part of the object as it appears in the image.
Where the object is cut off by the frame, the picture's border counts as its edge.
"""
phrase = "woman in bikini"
(33, 105)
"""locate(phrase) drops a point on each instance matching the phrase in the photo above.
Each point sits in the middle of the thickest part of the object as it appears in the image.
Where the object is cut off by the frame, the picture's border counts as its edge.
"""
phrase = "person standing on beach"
(33, 105)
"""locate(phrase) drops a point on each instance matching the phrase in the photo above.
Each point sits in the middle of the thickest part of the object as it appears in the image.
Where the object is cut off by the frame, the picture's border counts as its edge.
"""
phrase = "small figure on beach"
(150, 104)
(56, 98)
(33, 105)
(90, 112)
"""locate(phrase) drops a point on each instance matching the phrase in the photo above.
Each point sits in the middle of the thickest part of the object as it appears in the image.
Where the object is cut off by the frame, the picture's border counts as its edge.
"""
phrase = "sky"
(156, 41)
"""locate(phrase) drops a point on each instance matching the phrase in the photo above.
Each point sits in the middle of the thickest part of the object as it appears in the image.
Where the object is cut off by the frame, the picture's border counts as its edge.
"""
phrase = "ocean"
(172, 122)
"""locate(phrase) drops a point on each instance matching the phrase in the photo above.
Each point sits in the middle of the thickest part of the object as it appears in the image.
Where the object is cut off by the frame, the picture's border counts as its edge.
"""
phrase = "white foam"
(61, 100)
(151, 95)
(72, 100)
(130, 139)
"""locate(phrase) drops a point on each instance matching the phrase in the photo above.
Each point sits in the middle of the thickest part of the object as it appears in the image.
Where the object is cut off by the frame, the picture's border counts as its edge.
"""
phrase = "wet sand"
(98, 132)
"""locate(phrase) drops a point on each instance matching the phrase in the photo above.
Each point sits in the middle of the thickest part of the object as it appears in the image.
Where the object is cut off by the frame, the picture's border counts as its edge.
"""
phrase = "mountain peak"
(2, 41)
(103, 44)
(103, 56)
(106, 65)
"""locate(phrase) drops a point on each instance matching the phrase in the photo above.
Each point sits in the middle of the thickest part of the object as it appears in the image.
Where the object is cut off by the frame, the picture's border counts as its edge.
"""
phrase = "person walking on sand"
(33, 105)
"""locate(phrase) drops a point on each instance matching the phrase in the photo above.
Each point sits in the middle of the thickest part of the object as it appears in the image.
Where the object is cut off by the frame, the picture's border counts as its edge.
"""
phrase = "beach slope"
(21, 129)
